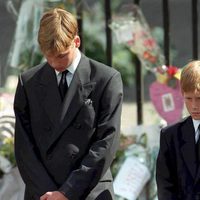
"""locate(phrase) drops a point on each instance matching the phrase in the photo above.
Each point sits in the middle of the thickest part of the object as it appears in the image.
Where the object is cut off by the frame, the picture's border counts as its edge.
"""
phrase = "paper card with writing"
(131, 178)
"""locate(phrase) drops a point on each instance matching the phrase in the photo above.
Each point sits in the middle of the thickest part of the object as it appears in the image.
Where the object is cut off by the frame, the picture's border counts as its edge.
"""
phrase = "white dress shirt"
(196, 125)
(71, 69)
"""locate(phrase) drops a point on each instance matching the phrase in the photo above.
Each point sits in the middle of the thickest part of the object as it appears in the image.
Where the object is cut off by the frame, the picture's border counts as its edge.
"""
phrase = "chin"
(60, 69)
(196, 117)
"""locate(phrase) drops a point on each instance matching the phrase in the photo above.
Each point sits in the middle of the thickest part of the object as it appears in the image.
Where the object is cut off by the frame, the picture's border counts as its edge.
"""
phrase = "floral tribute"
(133, 31)
(169, 75)
(7, 122)
(165, 93)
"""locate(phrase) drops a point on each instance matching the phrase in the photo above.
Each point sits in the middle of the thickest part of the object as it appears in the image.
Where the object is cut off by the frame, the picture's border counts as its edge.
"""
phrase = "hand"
(55, 195)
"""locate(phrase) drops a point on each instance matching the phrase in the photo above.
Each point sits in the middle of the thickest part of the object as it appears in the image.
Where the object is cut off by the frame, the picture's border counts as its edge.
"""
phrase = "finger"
(43, 197)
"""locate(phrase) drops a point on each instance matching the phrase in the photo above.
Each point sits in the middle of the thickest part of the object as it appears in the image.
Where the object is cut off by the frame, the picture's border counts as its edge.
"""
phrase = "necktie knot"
(65, 72)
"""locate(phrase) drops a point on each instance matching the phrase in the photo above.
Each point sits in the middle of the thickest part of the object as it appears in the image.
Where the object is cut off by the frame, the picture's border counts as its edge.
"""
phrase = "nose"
(194, 103)
(52, 62)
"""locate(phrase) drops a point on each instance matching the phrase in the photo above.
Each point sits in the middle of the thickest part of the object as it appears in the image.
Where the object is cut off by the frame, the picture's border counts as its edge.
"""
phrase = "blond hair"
(190, 77)
(57, 30)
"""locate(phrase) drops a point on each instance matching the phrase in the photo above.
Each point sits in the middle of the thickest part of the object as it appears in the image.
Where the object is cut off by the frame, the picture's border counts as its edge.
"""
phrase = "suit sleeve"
(31, 169)
(165, 171)
(103, 149)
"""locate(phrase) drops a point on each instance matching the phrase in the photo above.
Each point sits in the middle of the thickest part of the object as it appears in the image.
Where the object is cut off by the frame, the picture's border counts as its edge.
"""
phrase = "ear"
(77, 41)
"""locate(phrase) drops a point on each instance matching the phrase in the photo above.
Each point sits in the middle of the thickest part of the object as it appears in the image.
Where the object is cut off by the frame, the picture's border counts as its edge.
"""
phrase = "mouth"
(195, 113)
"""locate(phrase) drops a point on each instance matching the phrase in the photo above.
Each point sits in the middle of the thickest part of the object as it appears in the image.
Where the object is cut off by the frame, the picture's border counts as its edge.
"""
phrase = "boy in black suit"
(67, 118)
(178, 162)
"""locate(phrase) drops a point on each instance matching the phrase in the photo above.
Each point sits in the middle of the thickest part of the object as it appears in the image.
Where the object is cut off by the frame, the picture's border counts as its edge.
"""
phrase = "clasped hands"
(54, 195)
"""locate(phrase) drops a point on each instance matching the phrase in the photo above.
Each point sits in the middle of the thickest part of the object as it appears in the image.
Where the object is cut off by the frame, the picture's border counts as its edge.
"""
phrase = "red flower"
(148, 56)
(171, 70)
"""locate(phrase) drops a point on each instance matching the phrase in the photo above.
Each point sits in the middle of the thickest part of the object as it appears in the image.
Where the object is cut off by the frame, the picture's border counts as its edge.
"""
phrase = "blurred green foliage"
(7, 150)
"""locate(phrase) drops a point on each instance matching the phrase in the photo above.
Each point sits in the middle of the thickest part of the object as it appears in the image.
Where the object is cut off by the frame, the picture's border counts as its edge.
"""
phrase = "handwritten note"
(131, 178)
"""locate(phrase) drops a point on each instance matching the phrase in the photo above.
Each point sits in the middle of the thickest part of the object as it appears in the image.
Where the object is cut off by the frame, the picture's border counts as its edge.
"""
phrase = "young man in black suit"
(178, 162)
(67, 122)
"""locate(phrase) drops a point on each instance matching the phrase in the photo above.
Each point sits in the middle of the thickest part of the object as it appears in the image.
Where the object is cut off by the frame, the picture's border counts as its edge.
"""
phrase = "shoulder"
(30, 73)
(173, 129)
(100, 68)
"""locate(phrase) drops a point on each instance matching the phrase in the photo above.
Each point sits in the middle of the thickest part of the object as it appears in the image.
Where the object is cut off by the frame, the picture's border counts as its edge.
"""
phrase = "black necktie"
(198, 147)
(63, 84)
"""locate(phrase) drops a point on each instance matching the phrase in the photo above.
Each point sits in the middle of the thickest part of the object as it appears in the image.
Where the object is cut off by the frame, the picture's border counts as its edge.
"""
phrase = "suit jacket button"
(49, 157)
(77, 125)
(47, 128)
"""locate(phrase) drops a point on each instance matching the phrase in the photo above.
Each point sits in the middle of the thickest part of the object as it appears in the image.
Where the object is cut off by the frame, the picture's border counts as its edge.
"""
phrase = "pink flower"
(149, 43)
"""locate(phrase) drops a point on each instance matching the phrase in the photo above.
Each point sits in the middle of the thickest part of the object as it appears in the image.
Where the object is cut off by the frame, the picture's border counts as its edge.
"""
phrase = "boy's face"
(192, 102)
(62, 60)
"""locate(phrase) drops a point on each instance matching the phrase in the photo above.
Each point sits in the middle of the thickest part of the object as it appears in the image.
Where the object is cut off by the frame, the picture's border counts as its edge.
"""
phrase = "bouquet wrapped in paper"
(136, 168)
(132, 29)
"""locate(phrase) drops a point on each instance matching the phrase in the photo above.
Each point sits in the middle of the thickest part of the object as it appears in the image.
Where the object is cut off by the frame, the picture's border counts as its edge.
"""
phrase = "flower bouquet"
(7, 122)
(132, 29)
(165, 93)
(133, 168)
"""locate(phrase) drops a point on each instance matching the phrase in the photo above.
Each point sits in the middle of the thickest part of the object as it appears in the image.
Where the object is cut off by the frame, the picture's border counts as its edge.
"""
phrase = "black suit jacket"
(178, 173)
(68, 146)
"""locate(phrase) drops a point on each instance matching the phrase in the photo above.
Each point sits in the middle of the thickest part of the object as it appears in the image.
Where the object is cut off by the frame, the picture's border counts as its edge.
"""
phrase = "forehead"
(192, 93)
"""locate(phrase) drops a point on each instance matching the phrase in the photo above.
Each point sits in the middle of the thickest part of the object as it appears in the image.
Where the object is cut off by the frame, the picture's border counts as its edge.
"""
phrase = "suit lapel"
(78, 91)
(188, 146)
(49, 93)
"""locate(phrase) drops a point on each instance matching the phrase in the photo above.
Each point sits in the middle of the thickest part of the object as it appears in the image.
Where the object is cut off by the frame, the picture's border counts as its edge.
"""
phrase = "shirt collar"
(72, 68)
(196, 124)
